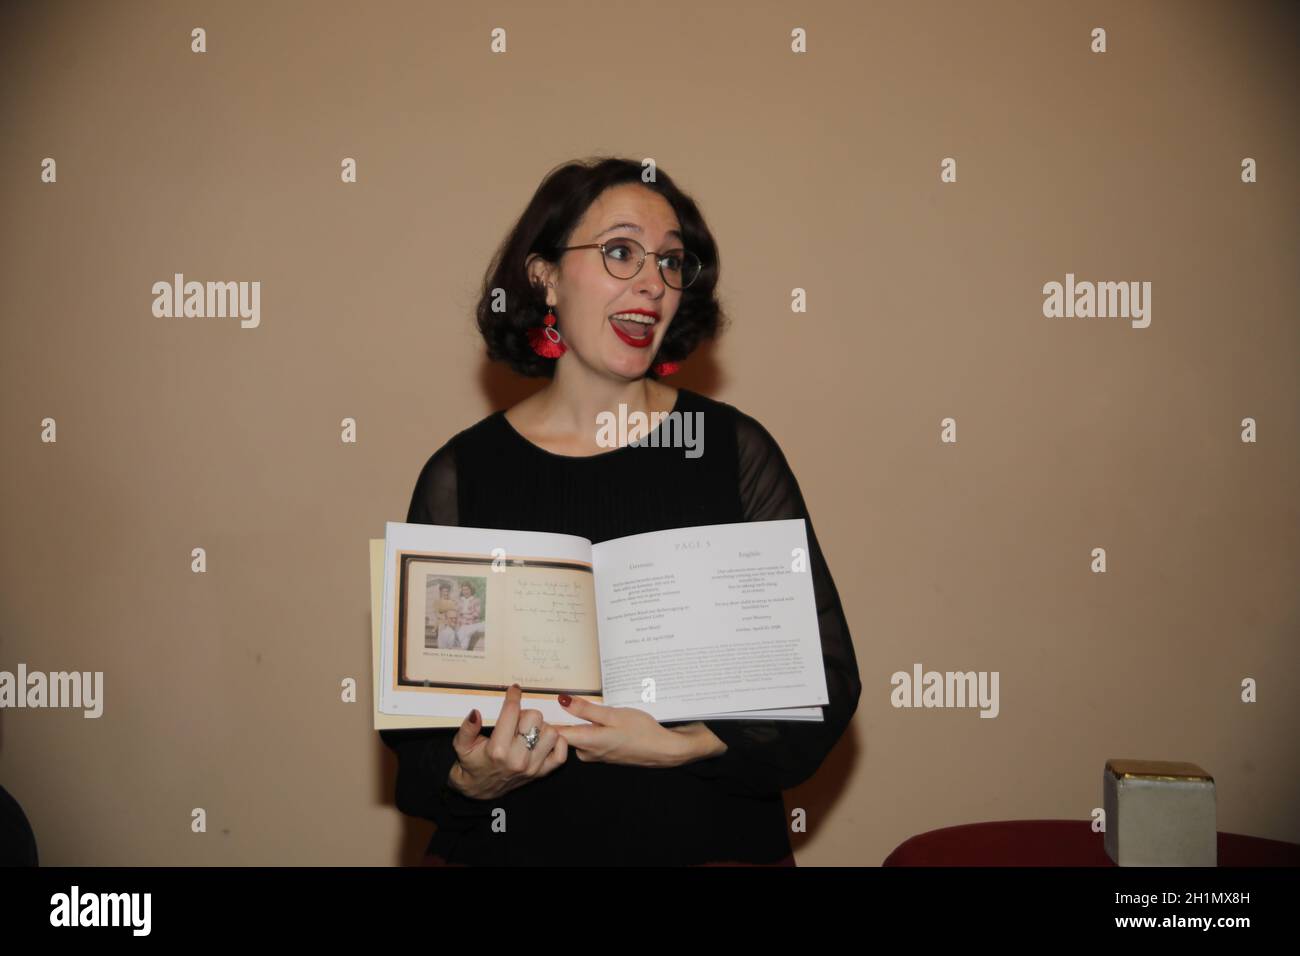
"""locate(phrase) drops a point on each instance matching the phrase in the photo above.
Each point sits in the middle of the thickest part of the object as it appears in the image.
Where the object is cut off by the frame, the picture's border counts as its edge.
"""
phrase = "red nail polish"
(565, 700)
(473, 716)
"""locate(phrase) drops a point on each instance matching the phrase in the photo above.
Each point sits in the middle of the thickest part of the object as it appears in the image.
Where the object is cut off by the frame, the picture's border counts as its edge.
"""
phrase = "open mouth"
(634, 328)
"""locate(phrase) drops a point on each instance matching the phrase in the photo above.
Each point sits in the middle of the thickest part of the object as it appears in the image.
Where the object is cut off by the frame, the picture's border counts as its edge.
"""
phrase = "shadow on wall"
(817, 797)
(416, 832)
(17, 841)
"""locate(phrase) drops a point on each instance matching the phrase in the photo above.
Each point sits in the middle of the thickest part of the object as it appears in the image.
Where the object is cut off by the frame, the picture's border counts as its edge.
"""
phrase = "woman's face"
(585, 295)
(466, 590)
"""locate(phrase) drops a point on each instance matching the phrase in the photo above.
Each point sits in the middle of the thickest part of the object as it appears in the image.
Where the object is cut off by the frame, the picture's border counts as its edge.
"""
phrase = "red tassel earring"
(546, 340)
(666, 368)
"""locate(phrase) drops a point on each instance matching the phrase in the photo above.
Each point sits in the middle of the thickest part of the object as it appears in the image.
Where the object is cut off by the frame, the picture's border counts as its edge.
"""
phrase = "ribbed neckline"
(501, 416)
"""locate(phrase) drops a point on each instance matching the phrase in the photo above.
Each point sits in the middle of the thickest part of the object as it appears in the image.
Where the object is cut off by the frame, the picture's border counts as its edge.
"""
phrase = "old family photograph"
(454, 613)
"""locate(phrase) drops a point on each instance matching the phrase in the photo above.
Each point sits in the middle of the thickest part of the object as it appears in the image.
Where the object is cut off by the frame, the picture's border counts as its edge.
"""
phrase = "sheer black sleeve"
(764, 756)
(425, 757)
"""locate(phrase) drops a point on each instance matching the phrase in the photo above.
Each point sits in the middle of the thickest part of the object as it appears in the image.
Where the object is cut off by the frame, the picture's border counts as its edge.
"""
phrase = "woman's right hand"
(487, 767)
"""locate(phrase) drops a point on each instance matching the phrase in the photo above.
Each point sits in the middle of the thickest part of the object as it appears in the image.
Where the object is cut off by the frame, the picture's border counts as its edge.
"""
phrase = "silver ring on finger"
(530, 738)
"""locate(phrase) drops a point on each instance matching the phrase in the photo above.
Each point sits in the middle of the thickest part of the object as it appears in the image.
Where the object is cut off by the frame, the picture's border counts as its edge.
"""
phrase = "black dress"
(717, 810)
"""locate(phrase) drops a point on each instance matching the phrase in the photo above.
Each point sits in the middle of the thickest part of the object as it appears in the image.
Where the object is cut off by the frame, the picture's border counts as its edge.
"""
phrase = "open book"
(710, 622)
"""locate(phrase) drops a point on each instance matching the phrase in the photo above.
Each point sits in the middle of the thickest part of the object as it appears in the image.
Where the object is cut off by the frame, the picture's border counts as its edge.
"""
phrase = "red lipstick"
(637, 342)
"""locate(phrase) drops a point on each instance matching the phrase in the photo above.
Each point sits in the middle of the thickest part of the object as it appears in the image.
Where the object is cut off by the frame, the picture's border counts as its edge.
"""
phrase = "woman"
(619, 788)
(470, 607)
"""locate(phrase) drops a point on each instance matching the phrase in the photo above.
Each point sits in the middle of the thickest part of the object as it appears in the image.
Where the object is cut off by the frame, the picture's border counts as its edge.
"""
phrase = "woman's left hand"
(627, 735)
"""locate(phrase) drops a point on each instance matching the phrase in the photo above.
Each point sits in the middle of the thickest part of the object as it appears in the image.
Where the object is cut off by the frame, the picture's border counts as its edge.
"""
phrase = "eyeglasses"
(623, 259)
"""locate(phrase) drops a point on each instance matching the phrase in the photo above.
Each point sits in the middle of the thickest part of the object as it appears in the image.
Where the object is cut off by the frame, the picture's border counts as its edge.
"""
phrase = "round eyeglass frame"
(641, 262)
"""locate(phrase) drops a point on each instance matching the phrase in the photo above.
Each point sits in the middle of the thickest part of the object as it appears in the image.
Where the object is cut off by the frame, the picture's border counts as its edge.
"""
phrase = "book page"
(464, 626)
(384, 721)
(710, 620)
(469, 611)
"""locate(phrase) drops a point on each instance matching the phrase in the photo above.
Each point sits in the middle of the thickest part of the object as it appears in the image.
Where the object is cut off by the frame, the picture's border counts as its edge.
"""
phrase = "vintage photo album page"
(709, 622)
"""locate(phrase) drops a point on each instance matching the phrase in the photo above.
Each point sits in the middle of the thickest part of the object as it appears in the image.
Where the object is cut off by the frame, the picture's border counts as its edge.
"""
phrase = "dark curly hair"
(548, 223)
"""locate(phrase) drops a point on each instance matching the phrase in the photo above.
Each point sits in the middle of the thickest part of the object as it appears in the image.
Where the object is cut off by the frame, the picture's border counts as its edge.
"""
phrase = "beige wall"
(818, 171)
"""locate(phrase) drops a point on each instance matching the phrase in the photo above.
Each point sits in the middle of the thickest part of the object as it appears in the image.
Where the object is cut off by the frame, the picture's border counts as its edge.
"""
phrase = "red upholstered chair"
(1057, 843)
